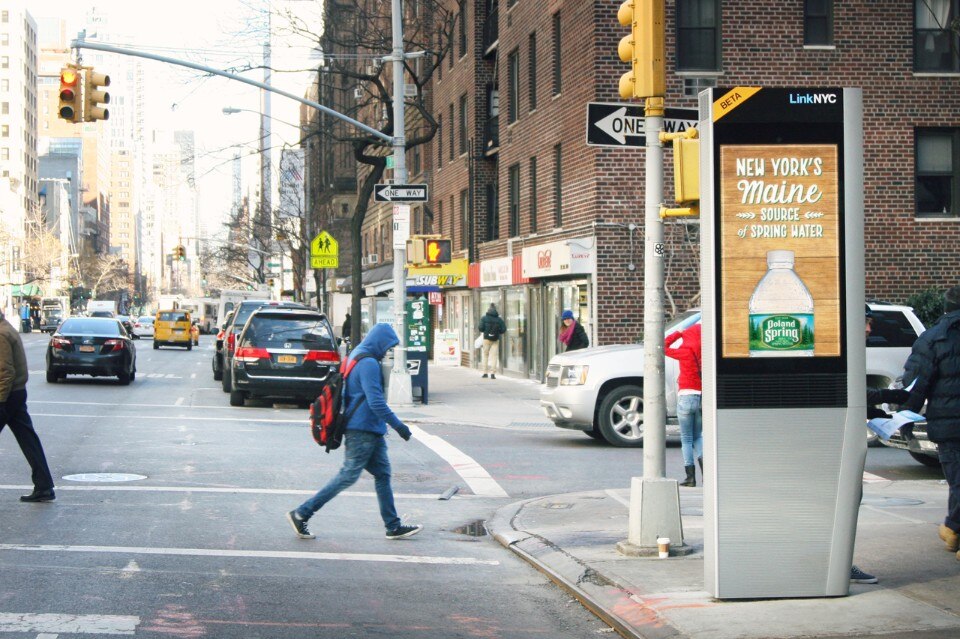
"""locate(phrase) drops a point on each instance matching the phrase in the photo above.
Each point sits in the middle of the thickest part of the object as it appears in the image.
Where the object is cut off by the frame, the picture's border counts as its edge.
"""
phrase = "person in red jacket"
(689, 411)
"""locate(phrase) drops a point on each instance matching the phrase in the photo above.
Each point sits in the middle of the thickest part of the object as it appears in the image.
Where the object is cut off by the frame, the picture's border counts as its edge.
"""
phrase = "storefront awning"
(26, 290)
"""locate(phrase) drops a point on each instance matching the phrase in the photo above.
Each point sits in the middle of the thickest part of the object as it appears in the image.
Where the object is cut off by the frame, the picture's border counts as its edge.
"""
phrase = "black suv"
(241, 313)
(283, 353)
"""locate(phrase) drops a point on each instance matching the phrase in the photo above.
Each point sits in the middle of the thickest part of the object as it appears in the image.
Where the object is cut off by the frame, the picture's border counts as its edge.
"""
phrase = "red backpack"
(328, 421)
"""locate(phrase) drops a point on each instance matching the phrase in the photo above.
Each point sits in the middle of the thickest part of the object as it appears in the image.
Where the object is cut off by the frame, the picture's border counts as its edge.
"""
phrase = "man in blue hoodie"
(366, 446)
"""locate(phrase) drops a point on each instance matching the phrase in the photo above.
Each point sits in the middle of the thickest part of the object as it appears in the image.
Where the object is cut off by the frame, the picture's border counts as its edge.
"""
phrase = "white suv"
(600, 390)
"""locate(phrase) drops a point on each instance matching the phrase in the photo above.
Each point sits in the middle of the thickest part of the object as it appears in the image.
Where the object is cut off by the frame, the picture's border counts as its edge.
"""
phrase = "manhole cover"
(474, 529)
(104, 477)
(890, 502)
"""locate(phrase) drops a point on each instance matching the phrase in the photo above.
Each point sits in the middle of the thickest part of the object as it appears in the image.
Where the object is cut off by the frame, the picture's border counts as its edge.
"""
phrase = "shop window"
(818, 22)
(698, 35)
(936, 44)
(937, 186)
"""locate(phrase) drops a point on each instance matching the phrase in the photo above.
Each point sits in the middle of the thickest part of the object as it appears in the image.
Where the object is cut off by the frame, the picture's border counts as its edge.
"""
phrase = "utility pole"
(400, 391)
(266, 158)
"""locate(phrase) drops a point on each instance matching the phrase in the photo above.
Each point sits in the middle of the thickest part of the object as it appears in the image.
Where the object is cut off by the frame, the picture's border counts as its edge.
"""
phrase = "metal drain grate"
(531, 424)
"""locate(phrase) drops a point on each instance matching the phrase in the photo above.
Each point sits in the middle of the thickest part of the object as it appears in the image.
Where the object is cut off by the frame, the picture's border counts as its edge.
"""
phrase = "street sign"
(401, 225)
(324, 251)
(400, 193)
(621, 126)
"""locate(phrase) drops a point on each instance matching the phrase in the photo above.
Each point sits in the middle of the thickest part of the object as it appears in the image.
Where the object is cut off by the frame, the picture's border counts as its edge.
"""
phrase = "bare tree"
(105, 275)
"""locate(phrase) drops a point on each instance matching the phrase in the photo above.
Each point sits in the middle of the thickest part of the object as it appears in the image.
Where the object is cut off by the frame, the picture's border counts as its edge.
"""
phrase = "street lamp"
(231, 110)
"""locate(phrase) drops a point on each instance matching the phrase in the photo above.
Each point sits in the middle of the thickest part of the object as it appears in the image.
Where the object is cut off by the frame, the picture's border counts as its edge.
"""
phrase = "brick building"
(548, 223)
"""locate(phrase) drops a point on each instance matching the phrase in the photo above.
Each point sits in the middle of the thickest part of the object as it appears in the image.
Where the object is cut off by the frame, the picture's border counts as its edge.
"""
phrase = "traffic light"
(69, 106)
(686, 173)
(643, 48)
(93, 97)
(438, 251)
(179, 253)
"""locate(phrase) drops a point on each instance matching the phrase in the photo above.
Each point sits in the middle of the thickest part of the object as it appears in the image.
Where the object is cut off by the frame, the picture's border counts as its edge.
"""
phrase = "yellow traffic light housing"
(94, 97)
(686, 170)
(438, 251)
(69, 107)
(644, 48)
(415, 253)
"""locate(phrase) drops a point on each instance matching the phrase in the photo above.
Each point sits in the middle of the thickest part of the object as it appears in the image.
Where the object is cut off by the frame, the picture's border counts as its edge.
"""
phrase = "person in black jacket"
(933, 370)
(491, 326)
(572, 334)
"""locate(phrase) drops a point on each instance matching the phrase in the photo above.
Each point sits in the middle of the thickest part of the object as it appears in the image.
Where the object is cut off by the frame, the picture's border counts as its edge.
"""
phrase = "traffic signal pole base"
(400, 389)
(654, 513)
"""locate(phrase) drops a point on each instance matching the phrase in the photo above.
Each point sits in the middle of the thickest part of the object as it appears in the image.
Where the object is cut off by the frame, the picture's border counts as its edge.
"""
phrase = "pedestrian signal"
(438, 251)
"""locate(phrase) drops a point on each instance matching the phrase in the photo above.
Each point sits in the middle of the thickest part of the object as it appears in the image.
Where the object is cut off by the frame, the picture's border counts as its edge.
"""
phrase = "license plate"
(86, 349)
(286, 359)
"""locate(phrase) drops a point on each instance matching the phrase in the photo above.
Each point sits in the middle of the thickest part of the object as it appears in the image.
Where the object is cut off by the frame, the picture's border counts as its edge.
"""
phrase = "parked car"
(143, 327)
(217, 362)
(241, 313)
(91, 346)
(127, 322)
(172, 327)
(282, 353)
(600, 390)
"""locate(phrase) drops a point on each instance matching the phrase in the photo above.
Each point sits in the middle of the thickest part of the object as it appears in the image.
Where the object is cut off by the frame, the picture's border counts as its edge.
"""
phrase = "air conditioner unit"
(409, 90)
(371, 69)
(373, 258)
(363, 261)
(358, 93)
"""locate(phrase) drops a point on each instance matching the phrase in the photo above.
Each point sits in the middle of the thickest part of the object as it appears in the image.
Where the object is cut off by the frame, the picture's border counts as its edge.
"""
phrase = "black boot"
(691, 479)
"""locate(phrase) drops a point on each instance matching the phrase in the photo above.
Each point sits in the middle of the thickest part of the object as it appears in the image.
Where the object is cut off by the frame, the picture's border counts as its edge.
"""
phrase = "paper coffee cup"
(663, 545)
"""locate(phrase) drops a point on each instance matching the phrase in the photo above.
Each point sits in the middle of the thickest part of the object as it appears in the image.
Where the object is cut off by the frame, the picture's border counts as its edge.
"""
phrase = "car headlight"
(574, 375)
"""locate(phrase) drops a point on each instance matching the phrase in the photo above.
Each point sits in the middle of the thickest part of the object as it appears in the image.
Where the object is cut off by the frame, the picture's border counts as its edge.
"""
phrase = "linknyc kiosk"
(784, 403)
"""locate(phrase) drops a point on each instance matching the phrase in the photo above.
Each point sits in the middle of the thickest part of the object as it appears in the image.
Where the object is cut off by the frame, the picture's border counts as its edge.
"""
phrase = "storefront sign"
(435, 298)
(450, 275)
(548, 260)
(498, 272)
(446, 348)
(582, 255)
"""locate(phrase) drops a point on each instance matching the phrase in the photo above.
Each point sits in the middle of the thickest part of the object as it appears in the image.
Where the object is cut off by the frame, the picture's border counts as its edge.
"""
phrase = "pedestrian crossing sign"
(324, 251)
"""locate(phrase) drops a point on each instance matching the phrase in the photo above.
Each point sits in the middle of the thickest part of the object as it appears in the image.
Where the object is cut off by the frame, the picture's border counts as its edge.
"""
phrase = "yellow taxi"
(174, 328)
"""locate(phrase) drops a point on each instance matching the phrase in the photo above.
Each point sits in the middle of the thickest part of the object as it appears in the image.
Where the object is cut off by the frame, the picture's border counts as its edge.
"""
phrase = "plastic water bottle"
(781, 311)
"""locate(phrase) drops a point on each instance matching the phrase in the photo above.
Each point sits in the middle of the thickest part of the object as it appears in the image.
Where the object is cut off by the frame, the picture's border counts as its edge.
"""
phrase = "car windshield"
(101, 314)
(82, 326)
(145, 320)
(244, 311)
(890, 329)
(683, 320)
(54, 313)
(271, 331)
(171, 316)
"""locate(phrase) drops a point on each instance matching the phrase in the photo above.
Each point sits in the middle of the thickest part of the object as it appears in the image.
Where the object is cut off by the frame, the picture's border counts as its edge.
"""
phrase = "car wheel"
(52, 378)
(156, 346)
(237, 398)
(926, 460)
(225, 380)
(124, 378)
(621, 417)
(594, 434)
(133, 376)
(189, 346)
(217, 372)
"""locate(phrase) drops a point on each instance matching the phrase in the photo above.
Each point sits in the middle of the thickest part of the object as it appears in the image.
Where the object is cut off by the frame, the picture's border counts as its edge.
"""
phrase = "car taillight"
(321, 356)
(115, 344)
(60, 342)
(231, 341)
(251, 354)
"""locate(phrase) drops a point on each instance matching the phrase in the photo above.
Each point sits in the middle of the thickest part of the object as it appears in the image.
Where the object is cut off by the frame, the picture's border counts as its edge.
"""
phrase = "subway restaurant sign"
(450, 275)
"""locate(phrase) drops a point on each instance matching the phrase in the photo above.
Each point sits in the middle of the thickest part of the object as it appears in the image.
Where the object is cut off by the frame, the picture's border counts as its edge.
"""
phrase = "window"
(4, 62)
(5, 108)
(557, 184)
(818, 22)
(417, 160)
(532, 70)
(4, 153)
(938, 173)
(533, 195)
(463, 29)
(5, 131)
(513, 85)
(4, 38)
(493, 212)
(453, 219)
(698, 37)
(463, 124)
(439, 141)
(556, 54)
(452, 139)
(464, 219)
(514, 186)
(936, 45)
(440, 217)
(5, 16)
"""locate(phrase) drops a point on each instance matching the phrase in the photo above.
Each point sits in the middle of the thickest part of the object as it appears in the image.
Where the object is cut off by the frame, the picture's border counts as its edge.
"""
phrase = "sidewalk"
(572, 539)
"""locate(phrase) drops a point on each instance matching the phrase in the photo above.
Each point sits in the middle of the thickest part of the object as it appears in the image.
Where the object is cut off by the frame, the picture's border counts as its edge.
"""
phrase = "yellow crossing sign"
(324, 251)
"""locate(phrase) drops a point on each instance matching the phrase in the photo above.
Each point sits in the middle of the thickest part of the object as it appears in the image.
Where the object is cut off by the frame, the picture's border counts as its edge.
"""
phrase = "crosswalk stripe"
(236, 491)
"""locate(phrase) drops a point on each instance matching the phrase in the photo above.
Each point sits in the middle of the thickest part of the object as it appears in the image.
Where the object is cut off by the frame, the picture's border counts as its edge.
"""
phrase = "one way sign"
(621, 125)
(400, 193)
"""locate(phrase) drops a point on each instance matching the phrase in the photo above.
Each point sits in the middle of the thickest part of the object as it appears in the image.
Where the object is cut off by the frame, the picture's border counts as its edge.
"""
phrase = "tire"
(225, 380)
(156, 346)
(237, 398)
(133, 376)
(124, 378)
(52, 378)
(594, 434)
(189, 346)
(620, 419)
(926, 460)
(217, 372)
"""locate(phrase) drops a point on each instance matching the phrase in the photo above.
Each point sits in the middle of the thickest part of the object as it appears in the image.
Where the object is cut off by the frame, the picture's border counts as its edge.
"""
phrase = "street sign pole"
(400, 391)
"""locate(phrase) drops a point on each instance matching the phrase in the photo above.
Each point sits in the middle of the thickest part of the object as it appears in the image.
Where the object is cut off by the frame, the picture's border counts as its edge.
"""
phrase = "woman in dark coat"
(572, 334)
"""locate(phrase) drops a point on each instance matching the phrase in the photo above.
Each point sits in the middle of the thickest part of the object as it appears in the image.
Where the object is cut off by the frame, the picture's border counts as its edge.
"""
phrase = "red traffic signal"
(438, 251)
(69, 106)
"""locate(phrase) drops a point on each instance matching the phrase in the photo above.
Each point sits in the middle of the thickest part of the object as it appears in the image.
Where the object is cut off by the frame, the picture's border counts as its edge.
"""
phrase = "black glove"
(404, 432)
(894, 396)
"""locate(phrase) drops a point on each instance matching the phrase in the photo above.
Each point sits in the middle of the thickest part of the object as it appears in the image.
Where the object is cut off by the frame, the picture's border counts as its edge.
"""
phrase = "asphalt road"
(187, 538)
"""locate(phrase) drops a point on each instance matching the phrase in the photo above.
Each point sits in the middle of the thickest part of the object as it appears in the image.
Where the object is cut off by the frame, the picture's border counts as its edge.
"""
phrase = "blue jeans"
(950, 461)
(14, 414)
(364, 451)
(691, 427)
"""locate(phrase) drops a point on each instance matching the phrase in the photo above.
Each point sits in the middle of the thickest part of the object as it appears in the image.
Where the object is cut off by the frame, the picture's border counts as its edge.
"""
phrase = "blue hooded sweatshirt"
(365, 384)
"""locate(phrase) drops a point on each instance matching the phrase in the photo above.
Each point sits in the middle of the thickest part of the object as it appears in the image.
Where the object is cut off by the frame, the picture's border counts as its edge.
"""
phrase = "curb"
(595, 591)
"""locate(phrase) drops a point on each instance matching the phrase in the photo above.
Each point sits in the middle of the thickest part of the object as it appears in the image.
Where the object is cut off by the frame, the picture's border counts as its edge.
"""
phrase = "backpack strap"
(347, 367)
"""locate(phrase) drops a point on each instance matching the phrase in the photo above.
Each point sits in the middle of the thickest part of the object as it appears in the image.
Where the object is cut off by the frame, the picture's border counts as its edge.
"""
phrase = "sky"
(224, 34)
